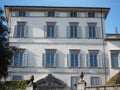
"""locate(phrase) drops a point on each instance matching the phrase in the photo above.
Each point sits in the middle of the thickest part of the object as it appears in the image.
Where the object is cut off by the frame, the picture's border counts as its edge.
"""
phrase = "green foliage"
(13, 85)
(6, 52)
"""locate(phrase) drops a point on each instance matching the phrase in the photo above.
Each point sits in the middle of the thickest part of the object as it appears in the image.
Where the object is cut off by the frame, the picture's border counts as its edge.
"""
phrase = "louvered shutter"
(45, 31)
(82, 60)
(46, 14)
(86, 14)
(97, 32)
(15, 30)
(55, 60)
(78, 14)
(100, 60)
(26, 31)
(119, 59)
(44, 60)
(27, 13)
(25, 59)
(56, 14)
(68, 14)
(79, 32)
(87, 32)
(96, 15)
(88, 60)
(68, 31)
(56, 31)
(68, 60)
(16, 13)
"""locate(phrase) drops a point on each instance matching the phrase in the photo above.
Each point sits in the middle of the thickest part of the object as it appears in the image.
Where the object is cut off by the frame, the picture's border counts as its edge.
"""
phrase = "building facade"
(61, 42)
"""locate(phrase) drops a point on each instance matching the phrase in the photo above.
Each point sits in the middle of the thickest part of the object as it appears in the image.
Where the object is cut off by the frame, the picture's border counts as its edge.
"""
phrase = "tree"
(6, 51)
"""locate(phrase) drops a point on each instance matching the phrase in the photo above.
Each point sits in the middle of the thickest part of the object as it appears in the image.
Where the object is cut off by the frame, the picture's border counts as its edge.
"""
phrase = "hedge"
(13, 85)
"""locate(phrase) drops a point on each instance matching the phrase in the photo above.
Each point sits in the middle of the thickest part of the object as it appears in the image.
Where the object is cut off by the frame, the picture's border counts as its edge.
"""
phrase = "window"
(115, 55)
(15, 77)
(20, 30)
(20, 58)
(51, 30)
(91, 14)
(73, 14)
(95, 81)
(51, 14)
(93, 54)
(92, 31)
(50, 58)
(22, 13)
(74, 80)
(74, 56)
(74, 31)
(74, 59)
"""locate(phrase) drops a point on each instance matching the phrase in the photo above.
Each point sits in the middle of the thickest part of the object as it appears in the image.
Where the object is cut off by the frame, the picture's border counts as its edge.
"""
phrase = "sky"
(112, 21)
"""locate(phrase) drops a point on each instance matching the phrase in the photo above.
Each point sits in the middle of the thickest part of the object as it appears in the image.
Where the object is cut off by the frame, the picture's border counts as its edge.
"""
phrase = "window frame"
(17, 77)
(95, 81)
(115, 54)
(91, 14)
(74, 80)
(51, 14)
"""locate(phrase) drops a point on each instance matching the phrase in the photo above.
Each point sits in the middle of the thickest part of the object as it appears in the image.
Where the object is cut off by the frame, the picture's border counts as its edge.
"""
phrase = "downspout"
(103, 37)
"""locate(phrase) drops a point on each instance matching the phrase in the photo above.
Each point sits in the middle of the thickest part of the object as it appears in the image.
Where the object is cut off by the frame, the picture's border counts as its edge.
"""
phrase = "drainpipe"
(103, 37)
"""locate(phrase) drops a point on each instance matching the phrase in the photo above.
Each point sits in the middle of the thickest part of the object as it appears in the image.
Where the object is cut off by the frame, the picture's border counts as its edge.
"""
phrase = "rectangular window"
(51, 14)
(91, 14)
(93, 31)
(73, 30)
(22, 13)
(51, 30)
(95, 81)
(50, 58)
(74, 58)
(115, 54)
(20, 58)
(93, 58)
(20, 30)
(74, 81)
(73, 14)
(15, 77)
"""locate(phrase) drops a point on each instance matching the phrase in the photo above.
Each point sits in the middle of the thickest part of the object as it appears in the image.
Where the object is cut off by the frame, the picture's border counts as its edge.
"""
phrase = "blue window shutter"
(79, 32)
(45, 31)
(44, 60)
(87, 32)
(68, 60)
(68, 31)
(56, 31)
(98, 33)
(15, 30)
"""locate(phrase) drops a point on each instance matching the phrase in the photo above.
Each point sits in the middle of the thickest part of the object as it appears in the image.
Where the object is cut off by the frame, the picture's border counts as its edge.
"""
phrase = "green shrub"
(13, 85)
